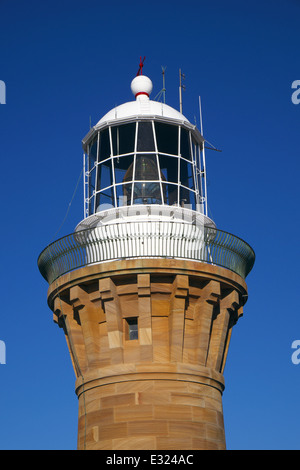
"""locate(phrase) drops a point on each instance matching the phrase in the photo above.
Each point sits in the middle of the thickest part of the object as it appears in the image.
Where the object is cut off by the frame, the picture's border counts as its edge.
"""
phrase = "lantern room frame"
(110, 149)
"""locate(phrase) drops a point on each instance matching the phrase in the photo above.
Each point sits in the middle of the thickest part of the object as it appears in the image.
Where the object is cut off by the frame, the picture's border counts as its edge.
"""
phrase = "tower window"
(131, 325)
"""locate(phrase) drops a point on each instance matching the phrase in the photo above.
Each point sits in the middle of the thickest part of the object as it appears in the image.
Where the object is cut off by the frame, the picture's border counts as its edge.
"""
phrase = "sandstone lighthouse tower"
(147, 289)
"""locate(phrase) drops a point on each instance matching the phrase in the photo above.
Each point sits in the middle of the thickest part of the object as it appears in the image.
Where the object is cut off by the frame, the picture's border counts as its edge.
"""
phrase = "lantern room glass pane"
(121, 165)
(184, 197)
(186, 174)
(170, 192)
(91, 205)
(126, 194)
(187, 198)
(146, 168)
(123, 138)
(104, 145)
(104, 200)
(145, 139)
(93, 153)
(105, 177)
(169, 168)
(166, 138)
(185, 148)
(147, 193)
(115, 139)
(123, 194)
(193, 200)
(92, 179)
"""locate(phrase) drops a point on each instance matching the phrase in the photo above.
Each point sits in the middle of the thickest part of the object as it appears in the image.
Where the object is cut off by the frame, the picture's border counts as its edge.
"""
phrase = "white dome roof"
(141, 87)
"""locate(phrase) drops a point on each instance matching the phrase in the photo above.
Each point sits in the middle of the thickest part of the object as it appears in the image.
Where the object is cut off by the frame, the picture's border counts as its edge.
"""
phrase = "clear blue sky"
(66, 62)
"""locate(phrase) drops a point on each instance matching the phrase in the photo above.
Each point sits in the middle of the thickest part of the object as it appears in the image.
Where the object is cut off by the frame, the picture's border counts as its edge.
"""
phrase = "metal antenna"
(181, 87)
(163, 91)
(200, 112)
(164, 86)
(203, 156)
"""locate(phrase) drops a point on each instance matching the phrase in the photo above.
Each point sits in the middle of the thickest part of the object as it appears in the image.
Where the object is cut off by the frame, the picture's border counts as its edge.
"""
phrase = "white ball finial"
(141, 85)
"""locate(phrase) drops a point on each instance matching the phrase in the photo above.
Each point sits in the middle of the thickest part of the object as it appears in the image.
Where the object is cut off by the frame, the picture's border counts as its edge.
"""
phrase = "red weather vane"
(140, 70)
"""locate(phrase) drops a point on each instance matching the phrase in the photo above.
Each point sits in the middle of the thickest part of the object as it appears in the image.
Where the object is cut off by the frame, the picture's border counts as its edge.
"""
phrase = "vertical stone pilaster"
(176, 317)
(114, 321)
(231, 304)
(64, 316)
(203, 317)
(219, 332)
(144, 318)
(89, 317)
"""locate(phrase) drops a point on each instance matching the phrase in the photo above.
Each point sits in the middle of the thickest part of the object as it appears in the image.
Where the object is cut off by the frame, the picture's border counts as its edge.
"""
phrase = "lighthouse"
(147, 288)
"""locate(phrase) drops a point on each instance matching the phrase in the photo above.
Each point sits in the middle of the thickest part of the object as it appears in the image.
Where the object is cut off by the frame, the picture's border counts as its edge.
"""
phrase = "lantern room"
(144, 152)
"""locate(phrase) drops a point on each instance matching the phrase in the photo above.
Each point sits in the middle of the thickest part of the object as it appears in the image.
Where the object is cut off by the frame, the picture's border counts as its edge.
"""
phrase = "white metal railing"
(146, 239)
